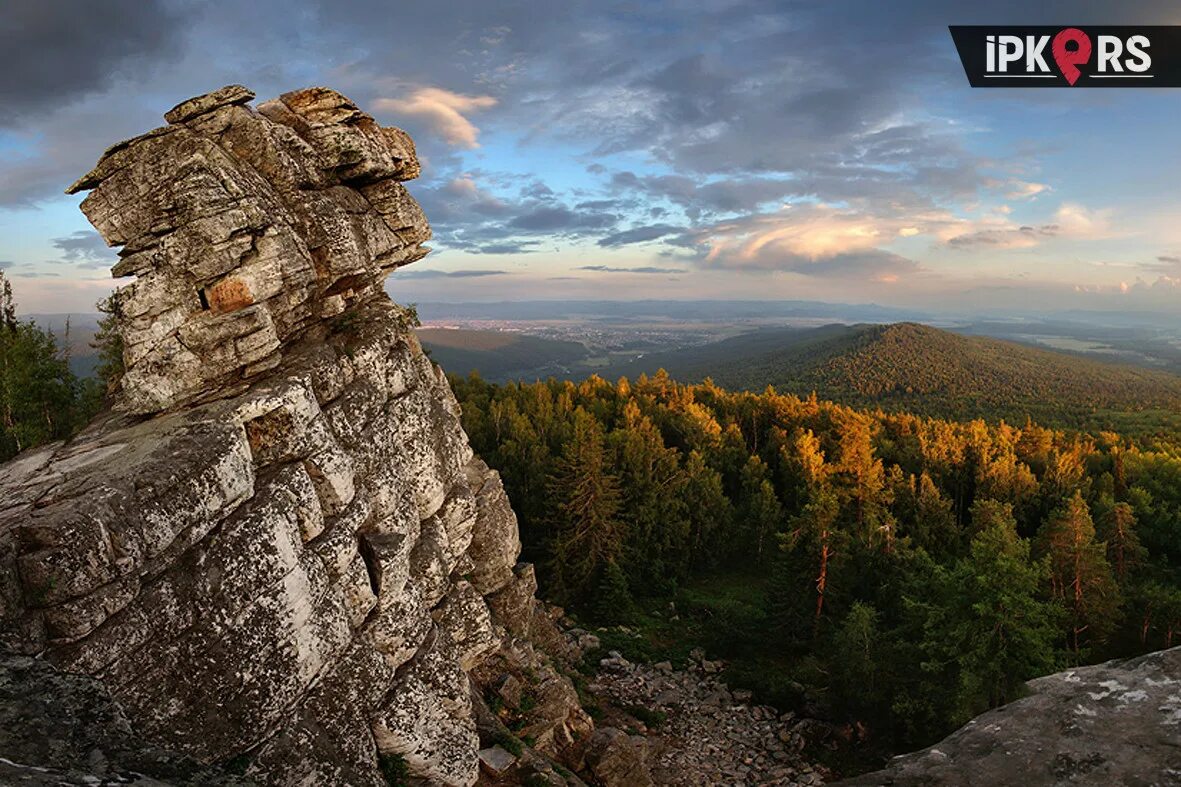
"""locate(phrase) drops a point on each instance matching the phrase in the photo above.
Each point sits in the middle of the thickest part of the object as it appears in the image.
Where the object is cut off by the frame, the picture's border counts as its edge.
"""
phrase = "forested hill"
(907, 366)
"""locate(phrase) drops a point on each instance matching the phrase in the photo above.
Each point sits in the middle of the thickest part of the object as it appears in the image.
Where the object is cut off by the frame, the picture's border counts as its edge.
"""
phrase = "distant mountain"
(921, 369)
(692, 311)
(499, 355)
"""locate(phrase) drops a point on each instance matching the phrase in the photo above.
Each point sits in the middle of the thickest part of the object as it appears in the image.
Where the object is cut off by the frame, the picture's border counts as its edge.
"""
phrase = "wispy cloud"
(642, 269)
(446, 112)
(432, 273)
(639, 235)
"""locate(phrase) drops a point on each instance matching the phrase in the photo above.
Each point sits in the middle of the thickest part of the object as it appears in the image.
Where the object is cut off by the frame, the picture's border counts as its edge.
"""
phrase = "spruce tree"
(586, 533)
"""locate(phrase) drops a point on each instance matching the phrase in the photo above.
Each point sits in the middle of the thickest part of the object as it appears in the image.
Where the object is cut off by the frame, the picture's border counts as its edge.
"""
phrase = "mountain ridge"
(917, 367)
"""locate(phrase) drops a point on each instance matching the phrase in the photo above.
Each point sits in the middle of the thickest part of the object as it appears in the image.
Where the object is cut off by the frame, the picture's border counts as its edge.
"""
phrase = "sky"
(670, 149)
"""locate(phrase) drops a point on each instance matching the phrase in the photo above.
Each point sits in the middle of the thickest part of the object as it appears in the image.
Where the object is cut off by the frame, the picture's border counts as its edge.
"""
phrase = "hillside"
(924, 369)
(498, 355)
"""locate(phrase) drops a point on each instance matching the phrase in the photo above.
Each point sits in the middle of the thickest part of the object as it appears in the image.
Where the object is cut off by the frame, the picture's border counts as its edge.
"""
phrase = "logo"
(1069, 56)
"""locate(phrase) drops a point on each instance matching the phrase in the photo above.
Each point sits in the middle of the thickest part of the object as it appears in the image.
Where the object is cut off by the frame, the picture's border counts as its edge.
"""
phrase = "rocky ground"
(700, 732)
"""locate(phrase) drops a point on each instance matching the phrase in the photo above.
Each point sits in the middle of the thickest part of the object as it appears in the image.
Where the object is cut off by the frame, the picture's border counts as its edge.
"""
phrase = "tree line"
(919, 569)
(41, 400)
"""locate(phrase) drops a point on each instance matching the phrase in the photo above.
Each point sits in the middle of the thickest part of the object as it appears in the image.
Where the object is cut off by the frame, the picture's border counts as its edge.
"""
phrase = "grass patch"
(510, 743)
(651, 718)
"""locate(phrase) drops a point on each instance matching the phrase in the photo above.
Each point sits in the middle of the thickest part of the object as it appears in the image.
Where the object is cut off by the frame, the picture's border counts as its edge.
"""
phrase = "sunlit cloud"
(443, 110)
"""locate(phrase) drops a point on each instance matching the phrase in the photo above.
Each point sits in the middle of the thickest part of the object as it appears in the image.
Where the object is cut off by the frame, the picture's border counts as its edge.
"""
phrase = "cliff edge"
(278, 550)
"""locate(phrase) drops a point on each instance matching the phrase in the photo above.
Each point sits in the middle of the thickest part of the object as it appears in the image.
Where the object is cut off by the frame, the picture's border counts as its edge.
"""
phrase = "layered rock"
(279, 550)
(1113, 723)
(244, 227)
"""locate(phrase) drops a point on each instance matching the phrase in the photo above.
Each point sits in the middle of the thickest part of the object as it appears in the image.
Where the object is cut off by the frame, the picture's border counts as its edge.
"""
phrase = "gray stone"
(1112, 723)
(496, 760)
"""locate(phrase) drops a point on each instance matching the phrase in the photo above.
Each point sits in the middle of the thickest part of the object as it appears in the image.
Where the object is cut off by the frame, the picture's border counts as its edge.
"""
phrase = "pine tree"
(1080, 576)
(856, 659)
(934, 527)
(1118, 530)
(653, 506)
(39, 396)
(814, 534)
(761, 512)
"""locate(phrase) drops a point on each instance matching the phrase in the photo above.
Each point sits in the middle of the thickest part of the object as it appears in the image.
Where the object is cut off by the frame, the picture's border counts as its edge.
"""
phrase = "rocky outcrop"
(1117, 723)
(245, 228)
(279, 550)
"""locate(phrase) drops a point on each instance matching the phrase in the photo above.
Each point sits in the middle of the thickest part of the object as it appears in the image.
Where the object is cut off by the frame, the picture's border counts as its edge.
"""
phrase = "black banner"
(1067, 56)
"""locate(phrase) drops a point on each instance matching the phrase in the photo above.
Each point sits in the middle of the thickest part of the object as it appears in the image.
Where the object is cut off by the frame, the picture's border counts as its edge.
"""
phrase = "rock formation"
(1117, 723)
(278, 550)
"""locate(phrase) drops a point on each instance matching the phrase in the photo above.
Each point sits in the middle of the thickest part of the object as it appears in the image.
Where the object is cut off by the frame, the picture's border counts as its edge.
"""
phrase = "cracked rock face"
(244, 227)
(287, 564)
(1113, 723)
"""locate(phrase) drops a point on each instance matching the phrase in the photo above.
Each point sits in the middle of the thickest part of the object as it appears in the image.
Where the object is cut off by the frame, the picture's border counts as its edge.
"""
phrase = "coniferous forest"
(40, 398)
(893, 572)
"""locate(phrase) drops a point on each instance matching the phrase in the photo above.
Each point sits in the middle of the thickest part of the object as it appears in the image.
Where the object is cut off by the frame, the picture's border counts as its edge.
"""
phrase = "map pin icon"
(1068, 61)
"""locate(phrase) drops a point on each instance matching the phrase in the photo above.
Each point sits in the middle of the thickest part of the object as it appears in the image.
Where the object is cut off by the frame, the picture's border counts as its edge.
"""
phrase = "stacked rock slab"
(244, 227)
(295, 560)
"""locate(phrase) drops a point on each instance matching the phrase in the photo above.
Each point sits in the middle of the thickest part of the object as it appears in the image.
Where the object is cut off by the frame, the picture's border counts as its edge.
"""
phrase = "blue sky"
(671, 149)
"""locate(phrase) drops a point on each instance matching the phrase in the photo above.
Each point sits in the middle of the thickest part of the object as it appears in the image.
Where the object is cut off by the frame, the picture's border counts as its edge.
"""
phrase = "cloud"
(1021, 237)
(54, 53)
(560, 218)
(1072, 221)
(84, 246)
(644, 269)
(1165, 264)
(6, 264)
(1019, 189)
(803, 231)
(638, 235)
(433, 273)
(1078, 221)
(697, 198)
(813, 240)
(443, 110)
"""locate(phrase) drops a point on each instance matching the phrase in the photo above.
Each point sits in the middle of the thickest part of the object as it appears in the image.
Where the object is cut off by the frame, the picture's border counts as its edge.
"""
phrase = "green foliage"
(40, 399)
(897, 571)
(651, 718)
(1080, 576)
(394, 769)
(586, 532)
(346, 324)
(510, 743)
(109, 344)
(990, 629)
(612, 603)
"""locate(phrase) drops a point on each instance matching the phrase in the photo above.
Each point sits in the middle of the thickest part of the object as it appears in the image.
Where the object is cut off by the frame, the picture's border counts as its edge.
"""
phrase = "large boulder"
(1117, 723)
